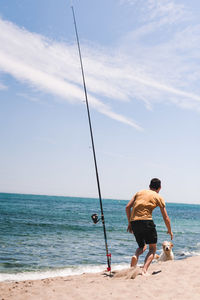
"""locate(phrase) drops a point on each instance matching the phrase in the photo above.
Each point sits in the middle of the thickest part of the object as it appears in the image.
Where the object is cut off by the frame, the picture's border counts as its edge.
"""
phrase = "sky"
(141, 61)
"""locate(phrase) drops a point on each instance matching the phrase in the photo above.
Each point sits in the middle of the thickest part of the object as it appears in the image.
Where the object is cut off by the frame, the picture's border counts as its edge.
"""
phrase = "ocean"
(49, 236)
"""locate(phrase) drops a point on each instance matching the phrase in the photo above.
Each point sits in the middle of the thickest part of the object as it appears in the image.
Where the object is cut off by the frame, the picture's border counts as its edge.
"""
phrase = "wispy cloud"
(166, 46)
(28, 97)
(3, 86)
(156, 62)
(54, 68)
(165, 11)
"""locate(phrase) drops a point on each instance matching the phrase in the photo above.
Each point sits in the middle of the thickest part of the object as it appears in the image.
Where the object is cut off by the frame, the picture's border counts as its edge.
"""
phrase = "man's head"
(155, 184)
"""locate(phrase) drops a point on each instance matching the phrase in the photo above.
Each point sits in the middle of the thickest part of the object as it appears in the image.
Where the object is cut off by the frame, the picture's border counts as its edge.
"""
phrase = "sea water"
(48, 236)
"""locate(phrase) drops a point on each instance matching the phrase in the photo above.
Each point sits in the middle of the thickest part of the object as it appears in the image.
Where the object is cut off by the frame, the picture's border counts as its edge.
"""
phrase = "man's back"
(144, 203)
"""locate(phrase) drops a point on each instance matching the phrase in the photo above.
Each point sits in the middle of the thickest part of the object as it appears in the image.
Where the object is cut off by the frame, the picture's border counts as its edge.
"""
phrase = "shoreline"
(69, 271)
(178, 279)
(54, 273)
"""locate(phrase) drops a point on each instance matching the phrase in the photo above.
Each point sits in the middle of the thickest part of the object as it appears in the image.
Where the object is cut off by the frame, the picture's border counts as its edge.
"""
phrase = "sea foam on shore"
(58, 272)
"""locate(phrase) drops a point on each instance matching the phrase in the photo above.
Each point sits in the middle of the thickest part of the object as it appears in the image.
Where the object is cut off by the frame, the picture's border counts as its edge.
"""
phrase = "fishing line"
(94, 216)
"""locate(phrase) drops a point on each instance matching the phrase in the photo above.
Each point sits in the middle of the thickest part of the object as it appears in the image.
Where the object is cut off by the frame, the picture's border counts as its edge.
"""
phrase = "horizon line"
(84, 197)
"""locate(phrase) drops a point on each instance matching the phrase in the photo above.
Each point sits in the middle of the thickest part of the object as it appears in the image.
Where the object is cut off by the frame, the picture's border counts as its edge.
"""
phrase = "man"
(140, 222)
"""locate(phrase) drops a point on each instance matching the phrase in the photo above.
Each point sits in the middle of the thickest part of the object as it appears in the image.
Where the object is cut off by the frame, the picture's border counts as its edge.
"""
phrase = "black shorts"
(144, 232)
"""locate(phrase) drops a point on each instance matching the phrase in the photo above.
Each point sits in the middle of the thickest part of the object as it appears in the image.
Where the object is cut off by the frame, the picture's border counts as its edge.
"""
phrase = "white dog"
(167, 253)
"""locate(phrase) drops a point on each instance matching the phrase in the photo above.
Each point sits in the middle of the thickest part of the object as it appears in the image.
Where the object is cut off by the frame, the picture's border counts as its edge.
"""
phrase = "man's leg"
(149, 257)
(138, 252)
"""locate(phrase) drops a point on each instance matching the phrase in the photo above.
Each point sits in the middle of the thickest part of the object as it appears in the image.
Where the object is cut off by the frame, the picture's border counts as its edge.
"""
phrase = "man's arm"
(167, 221)
(128, 213)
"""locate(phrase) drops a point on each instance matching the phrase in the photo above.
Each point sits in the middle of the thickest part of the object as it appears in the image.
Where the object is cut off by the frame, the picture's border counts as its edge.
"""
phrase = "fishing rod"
(94, 216)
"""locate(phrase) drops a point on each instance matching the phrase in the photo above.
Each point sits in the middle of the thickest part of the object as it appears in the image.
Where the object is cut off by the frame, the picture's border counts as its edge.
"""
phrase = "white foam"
(189, 253)
(58, 273)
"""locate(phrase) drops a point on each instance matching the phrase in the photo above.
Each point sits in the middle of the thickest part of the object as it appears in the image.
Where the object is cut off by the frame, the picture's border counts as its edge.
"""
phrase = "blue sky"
(141, 62)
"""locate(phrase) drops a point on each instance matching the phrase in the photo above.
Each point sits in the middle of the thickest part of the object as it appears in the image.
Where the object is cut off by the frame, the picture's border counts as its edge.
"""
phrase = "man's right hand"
(171, 233)
(129, 228)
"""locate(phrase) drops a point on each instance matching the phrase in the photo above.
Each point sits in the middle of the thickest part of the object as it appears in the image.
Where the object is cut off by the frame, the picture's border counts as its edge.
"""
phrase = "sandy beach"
(168, 280)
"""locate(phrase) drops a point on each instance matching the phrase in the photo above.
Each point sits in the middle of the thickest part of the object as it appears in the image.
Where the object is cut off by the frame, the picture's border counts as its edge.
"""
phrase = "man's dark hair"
(155, 184)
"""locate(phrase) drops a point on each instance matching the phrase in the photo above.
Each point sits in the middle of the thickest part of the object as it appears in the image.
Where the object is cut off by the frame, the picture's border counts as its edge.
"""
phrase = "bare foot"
(134, 261)
(145, 273)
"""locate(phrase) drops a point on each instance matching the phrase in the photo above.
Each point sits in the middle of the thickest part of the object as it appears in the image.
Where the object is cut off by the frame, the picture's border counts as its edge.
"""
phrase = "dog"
(167, 253)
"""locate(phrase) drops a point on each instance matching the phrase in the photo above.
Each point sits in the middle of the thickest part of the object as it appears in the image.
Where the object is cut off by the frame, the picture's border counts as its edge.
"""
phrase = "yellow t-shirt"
(144, 203)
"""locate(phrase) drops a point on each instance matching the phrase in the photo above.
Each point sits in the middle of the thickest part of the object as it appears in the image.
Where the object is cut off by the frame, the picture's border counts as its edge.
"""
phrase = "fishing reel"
(95, 218)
